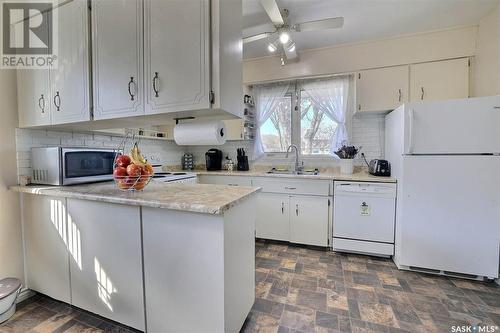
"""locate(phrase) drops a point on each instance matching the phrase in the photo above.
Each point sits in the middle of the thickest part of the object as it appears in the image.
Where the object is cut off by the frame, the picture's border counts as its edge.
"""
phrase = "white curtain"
(266, 98)
(330, 96)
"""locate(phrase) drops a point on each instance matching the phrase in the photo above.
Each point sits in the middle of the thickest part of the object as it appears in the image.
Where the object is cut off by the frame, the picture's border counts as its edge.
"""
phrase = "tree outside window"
(314, 129)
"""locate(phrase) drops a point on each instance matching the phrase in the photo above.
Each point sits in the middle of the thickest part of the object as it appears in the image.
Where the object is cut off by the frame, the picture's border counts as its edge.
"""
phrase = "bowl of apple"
(132, 172)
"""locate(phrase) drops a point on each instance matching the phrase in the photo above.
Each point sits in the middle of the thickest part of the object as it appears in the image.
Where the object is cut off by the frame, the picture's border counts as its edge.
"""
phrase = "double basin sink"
(276, 171)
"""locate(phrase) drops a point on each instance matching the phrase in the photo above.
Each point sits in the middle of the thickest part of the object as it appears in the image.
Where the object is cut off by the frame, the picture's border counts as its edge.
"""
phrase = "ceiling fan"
(280, 38)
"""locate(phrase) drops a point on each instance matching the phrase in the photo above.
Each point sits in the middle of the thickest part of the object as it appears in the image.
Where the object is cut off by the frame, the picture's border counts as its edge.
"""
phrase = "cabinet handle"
(155, 89)
(399, 95)
(297, 209)
(282, 208)
(290, 188)
(232, 184)
(130, 86)
(423, 93)
(57, 101)
(41, 103)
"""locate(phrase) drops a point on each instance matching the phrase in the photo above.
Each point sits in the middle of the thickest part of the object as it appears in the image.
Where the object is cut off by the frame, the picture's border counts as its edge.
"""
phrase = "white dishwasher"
(364, 217)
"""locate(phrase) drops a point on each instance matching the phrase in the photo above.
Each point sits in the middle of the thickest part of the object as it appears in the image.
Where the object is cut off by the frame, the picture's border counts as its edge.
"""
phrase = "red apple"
(120, 172)
(123, 161)
(133, 170)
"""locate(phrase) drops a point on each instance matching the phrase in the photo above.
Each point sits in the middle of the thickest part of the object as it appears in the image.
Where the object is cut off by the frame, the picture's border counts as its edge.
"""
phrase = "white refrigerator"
(446, 158)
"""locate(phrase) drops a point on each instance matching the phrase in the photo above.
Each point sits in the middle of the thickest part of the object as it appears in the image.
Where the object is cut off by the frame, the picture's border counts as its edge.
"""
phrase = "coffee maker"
(213, 158)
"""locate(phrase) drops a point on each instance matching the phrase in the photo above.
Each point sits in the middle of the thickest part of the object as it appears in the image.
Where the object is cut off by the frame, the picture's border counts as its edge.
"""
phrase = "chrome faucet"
(297, 167)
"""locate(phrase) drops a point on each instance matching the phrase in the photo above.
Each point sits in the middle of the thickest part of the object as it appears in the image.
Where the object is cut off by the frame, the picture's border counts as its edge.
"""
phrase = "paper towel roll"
(200, 133)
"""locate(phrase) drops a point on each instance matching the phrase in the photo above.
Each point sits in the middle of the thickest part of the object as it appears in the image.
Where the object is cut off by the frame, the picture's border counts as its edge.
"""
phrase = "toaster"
(379, 168)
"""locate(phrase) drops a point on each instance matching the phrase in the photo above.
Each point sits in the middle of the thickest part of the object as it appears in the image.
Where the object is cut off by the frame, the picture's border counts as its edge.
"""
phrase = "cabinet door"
(47, 242)
(448, 79)
(272, 220)
(234, 129)
(117, 58)
(176, 55)
(33, 96)
(70, 81)
(382, 89)
(107, 278)
(309, 217)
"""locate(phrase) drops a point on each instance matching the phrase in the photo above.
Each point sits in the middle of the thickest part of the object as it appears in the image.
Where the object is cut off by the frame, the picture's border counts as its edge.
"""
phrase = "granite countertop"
(361, 176)
(197, 198)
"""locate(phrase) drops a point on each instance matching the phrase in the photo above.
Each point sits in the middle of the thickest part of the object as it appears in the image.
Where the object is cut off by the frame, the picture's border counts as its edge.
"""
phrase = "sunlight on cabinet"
(105, 286)
(69, 232)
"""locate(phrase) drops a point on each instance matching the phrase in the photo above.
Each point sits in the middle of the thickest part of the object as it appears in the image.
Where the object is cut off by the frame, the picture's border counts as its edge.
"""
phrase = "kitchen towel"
(200, 133)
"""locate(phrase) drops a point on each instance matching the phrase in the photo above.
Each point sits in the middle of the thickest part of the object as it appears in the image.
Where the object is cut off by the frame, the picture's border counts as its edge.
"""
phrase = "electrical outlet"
(153, 158)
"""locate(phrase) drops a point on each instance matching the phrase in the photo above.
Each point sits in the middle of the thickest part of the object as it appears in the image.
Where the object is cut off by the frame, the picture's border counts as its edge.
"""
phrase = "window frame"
(296, 139)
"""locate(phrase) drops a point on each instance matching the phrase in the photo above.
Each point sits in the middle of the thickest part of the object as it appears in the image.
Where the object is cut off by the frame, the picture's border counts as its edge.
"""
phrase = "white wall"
(487, 61)
(11, 262)
(430, 46)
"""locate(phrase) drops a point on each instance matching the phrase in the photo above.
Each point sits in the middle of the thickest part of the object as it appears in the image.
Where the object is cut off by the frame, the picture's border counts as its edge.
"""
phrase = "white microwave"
(68, 166)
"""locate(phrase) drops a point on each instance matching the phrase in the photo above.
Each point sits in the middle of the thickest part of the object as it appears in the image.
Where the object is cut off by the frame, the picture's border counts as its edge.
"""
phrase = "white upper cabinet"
(448, 79)
(117, 46)
(177, 58)
(382, 89)
(227, 51)
(70, 82)
(177, 74)
(33, 96)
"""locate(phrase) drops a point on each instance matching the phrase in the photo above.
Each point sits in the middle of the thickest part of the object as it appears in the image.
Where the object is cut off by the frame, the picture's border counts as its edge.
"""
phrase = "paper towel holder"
(182, 118)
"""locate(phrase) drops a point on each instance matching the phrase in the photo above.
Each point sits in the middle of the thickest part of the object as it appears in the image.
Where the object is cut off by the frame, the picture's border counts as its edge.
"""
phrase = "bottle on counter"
(229, 165)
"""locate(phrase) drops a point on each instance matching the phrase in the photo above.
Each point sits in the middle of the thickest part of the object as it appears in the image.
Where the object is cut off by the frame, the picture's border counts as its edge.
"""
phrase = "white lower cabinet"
(47, 241)
(87, 254)
(106, 260)
(273, 215)
(309, 216)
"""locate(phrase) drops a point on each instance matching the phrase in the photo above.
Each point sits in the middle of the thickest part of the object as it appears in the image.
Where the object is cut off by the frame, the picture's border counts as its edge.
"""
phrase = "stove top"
(173, 176)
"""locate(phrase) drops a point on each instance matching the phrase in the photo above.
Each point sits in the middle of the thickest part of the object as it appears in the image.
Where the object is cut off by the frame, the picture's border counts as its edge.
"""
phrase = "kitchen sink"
(275, 171)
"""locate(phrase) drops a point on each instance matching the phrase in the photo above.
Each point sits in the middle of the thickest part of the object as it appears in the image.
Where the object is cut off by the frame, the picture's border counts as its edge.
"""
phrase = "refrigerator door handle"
(411, 118)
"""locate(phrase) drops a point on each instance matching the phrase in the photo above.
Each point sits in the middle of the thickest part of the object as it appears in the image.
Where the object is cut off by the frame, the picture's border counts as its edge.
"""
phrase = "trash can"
(9, 290)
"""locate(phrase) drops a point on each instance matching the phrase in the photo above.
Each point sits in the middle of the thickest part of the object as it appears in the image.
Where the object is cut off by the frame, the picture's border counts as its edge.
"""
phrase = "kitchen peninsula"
(175, 257)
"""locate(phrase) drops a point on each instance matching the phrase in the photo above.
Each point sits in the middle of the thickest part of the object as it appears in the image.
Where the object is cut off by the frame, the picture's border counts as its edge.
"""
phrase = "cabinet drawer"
(292, 186)
(225, 180)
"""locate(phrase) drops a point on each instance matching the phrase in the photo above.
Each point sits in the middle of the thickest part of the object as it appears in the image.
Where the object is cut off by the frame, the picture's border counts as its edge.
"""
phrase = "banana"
(136, 156)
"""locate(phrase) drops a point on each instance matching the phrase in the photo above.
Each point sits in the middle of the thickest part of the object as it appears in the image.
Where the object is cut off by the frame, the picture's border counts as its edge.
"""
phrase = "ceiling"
(363, 19)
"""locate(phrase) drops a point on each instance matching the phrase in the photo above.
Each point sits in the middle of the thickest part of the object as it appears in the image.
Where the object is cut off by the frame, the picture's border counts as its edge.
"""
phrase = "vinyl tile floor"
(302, 289)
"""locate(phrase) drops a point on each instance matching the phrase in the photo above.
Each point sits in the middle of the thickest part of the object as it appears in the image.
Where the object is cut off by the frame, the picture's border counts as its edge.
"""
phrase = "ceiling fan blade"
(273, 11)
(331, 23)
(253, 38)
(290, 52)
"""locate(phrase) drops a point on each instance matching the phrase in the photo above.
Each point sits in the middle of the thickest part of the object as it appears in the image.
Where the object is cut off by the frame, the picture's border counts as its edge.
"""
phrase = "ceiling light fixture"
(271, 47)
(284, 37)
(291, 47)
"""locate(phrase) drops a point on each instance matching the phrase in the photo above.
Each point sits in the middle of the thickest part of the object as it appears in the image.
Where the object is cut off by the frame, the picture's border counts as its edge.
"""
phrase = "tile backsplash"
(166, 151)
(366, 130)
